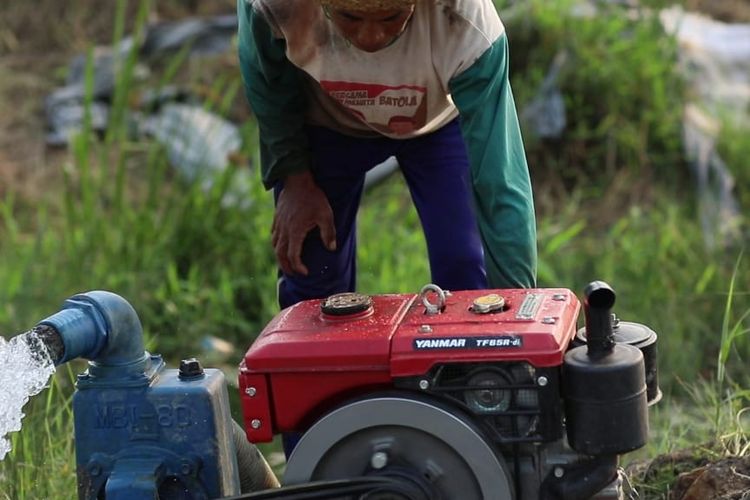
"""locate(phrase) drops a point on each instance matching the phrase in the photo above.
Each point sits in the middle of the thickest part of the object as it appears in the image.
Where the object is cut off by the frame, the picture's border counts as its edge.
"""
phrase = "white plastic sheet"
(715, 59)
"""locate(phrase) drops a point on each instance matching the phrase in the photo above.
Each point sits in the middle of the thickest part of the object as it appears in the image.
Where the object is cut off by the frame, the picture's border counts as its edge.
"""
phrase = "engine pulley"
(432, 449)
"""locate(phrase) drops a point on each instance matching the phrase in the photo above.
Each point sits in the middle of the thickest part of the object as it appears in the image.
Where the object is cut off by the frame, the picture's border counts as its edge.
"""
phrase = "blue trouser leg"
(339, 166)
(436, 168)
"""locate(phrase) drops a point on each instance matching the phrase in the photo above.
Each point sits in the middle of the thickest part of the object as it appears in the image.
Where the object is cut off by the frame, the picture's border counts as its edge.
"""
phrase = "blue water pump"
(144, 431)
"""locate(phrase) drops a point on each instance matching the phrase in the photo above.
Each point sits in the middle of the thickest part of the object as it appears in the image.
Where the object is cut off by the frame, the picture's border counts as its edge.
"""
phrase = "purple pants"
(436, 169)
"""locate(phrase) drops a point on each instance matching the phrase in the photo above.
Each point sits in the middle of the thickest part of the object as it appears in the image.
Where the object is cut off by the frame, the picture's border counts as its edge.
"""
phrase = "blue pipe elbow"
(102, 327)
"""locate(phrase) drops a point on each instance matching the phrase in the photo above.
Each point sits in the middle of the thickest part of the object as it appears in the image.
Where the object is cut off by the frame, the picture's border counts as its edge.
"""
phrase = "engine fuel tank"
(317, 354)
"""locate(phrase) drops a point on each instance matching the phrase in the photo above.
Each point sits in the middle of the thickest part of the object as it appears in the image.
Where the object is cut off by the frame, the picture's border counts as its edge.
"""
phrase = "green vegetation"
(620, 86)
(734, 148)
(614, 198)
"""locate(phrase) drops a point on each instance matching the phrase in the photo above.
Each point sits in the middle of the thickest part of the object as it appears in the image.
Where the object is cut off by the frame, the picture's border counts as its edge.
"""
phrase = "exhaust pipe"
(597, 307)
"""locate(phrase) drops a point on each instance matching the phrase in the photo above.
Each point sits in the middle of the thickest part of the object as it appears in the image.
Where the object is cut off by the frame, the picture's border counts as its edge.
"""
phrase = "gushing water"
(25, 369)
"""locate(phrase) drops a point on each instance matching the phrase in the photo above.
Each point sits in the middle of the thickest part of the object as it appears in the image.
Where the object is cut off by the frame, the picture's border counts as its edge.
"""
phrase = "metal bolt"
(379, 460)
(251, 391)
(424, 384)
(425, 329)
(559, 297)
(559, 472)
(549, 320)
(255, 423)
(186, 468)
(190, 368)
(542, 381)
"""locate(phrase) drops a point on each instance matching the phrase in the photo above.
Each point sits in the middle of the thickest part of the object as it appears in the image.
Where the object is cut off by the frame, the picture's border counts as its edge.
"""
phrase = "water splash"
(25, 369)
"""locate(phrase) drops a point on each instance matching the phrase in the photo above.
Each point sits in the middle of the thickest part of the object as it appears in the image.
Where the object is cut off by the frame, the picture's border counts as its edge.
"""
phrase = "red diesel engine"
(485, 394)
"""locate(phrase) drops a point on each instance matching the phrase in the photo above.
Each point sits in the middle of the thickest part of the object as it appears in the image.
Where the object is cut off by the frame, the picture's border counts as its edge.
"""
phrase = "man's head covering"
(367, 5)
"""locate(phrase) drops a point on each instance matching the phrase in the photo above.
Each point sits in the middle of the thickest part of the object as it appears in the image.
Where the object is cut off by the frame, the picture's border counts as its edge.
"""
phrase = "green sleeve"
(274, 90)
(499, 173)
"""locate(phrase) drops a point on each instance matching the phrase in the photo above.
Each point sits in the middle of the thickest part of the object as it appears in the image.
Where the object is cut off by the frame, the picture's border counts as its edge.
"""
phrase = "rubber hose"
(255, 473)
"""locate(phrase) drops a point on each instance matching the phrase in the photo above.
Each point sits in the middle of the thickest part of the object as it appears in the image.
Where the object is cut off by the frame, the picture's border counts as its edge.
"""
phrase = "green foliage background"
(614, 196)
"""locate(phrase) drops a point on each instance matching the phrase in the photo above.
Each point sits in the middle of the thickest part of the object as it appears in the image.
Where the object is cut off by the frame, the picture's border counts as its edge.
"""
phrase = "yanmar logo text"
(497, 342)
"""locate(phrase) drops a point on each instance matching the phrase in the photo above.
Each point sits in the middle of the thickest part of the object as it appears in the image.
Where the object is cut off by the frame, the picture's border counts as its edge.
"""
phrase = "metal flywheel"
(429, 450)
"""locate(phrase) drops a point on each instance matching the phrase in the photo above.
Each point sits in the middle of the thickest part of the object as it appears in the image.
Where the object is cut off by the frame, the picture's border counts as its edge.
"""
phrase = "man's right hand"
(302, 206)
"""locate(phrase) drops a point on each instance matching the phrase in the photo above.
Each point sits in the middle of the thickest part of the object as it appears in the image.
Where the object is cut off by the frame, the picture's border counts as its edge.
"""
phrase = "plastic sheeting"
(196, 140)
(545, 113)
(65, 106)
(715, 59)
(203, 36)
(198, 143)
(714, 56)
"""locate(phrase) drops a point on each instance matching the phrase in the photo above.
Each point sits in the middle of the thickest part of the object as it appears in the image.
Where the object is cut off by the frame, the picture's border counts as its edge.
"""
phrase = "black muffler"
(604, 384)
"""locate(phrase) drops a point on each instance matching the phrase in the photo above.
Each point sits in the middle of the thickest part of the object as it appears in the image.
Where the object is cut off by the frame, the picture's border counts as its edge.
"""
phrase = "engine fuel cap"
(488, 303)
(344, 304)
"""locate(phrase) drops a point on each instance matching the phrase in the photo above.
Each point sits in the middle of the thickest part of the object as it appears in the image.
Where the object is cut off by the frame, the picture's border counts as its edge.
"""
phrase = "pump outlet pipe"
(99, 326)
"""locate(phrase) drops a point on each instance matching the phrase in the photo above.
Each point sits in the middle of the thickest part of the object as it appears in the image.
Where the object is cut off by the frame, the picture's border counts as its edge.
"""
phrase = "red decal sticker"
(397, 110)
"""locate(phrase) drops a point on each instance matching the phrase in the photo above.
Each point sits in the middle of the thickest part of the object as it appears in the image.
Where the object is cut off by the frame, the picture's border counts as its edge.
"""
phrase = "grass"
(734, 149)
(663, 276)
(621, 91)
(194, 266)
(710, 423)
(398, 262)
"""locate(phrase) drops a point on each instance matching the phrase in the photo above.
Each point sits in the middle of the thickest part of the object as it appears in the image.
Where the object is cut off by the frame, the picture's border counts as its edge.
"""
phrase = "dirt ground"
(729, 11)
